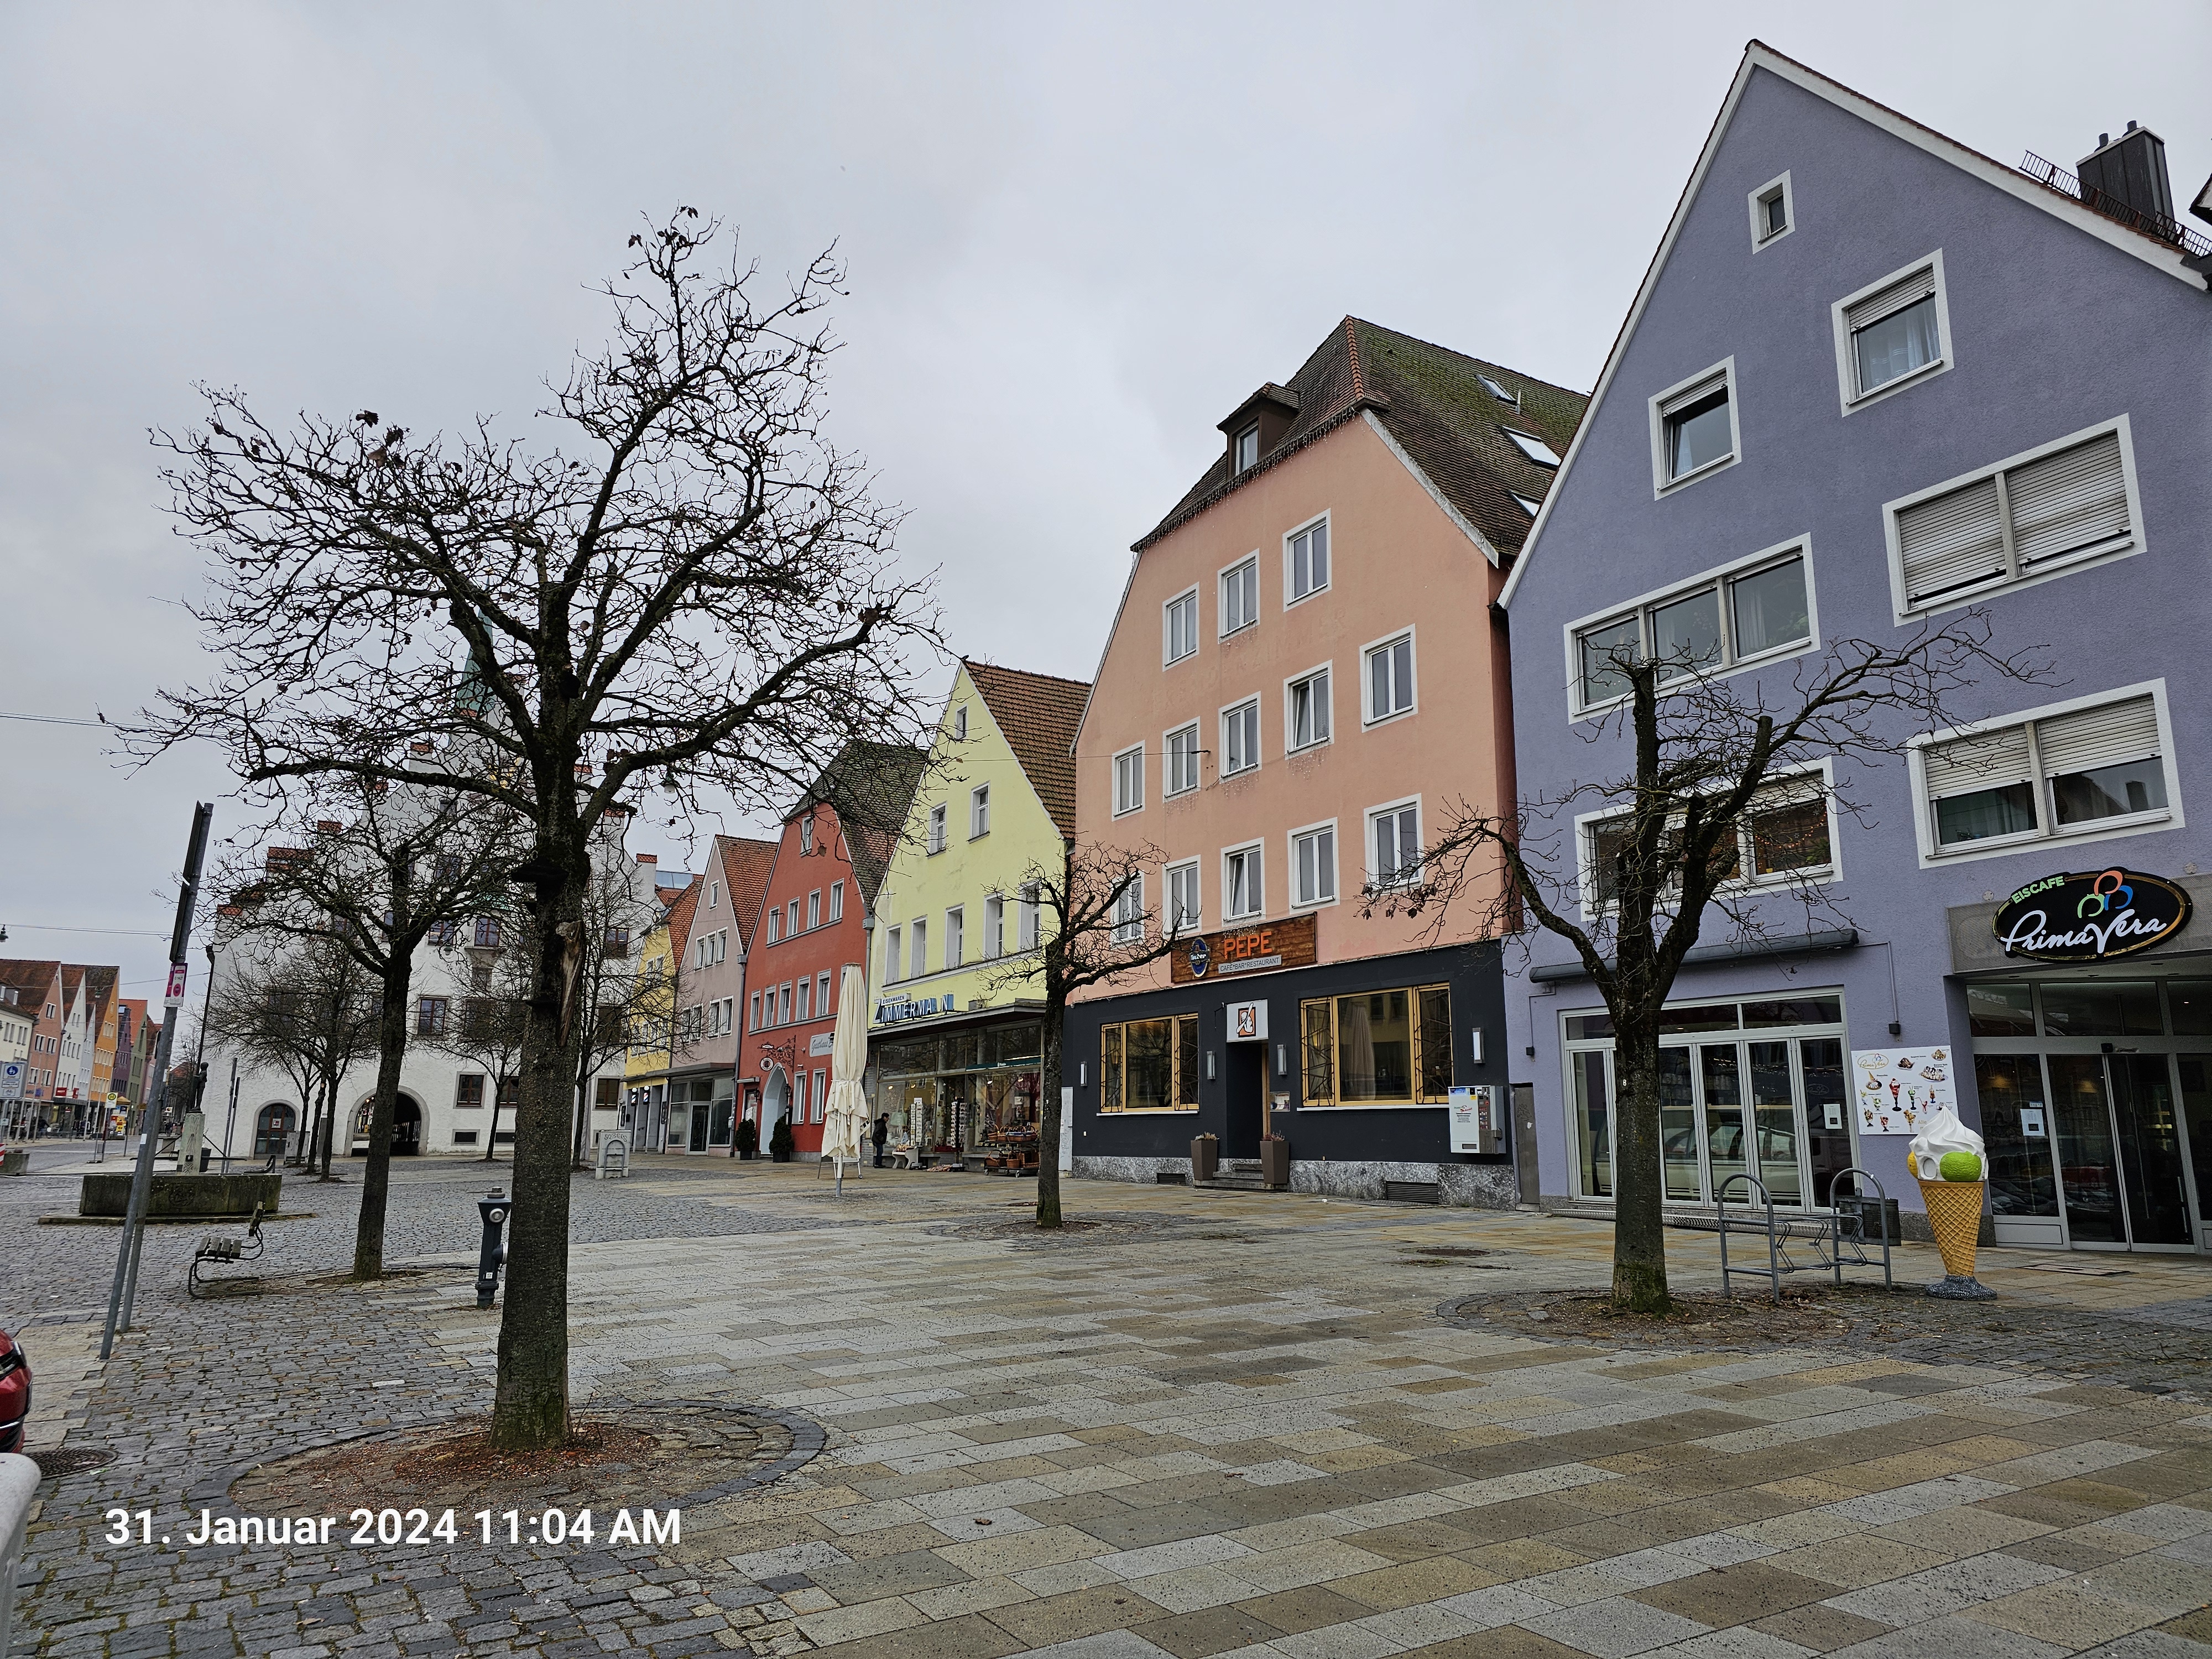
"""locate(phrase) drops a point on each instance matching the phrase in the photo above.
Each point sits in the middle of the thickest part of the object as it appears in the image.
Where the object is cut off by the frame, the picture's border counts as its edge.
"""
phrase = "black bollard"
(492, 1254)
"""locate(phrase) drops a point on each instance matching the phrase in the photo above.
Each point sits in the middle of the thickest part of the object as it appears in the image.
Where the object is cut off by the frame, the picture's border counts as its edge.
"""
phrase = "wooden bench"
(220, 1249)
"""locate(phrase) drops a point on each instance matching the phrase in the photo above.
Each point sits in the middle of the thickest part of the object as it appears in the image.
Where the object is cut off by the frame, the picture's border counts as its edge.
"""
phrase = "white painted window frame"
(1367, 836)
(1259, 738)
(1195, 870)
(1779, 781)
(1222, 629)
(1168, 792)
(1847, 367)
(1368, 719)
(1777, 185)
(1683, 391)
(1291, 534)
(1290, 682)
(1123, 810)
(1291, 840)
(1167, 625)
(1258, 849)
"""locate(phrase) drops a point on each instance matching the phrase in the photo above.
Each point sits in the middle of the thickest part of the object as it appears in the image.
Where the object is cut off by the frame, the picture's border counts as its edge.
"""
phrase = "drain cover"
(69, 1461)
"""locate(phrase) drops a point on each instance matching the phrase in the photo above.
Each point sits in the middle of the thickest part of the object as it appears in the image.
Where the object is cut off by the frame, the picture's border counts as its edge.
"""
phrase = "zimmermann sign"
(2090, 916)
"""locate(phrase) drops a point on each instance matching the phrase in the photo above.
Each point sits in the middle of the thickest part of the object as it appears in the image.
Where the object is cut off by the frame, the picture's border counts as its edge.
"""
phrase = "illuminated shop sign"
(2090, 916)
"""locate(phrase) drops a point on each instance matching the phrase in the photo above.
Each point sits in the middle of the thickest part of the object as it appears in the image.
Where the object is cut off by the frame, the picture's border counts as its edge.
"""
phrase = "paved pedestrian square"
(1203, 1424)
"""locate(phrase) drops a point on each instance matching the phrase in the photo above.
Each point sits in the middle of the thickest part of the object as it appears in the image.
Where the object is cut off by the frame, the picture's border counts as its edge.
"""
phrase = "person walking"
(880, 1133)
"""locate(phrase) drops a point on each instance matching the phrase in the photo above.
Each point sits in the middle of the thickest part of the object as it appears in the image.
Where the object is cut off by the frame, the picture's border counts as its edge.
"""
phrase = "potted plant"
(748, 1138)
(1205, 1156)
(780, 1143)
(1274, 1162)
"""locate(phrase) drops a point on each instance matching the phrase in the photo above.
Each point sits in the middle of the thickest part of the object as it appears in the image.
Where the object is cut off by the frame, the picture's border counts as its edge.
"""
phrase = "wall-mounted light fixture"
(1210, 1071)
(1478, 1045)
(1282, 1061)
(1083, 1072)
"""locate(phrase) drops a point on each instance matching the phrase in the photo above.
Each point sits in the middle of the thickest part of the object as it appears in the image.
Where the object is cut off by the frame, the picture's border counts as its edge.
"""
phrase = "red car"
(14, 1393)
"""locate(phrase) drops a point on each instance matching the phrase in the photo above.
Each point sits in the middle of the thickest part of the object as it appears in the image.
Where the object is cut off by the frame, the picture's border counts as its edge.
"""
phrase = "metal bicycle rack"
(1837, 1236)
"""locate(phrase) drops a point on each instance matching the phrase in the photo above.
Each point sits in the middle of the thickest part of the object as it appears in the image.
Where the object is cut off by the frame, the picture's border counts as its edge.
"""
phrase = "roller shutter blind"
(1988, 761)
(2090, 738)
(1951, 542)
(1898, 295)
(2065, 502)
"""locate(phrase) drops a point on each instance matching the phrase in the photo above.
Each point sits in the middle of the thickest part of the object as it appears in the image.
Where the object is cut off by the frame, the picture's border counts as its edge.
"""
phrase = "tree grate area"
(2160, 1349)
(72, 1459)
(1110, 1227)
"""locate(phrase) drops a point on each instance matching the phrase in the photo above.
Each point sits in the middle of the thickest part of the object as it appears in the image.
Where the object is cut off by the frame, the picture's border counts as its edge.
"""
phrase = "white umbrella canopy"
(845, 1120)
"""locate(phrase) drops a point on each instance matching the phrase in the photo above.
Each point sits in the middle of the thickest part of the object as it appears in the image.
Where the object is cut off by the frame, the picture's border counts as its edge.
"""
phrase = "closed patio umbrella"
(847, 1118)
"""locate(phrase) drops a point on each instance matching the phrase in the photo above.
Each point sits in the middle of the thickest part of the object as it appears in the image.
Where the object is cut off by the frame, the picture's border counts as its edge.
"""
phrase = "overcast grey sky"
(1078, 237)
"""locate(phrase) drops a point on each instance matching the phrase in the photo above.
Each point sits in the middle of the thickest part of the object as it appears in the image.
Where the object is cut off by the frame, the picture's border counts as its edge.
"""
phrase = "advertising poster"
(1897, 1088)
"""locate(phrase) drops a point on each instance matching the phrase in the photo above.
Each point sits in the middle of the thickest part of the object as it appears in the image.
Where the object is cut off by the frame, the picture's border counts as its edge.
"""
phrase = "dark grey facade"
(1948, 385)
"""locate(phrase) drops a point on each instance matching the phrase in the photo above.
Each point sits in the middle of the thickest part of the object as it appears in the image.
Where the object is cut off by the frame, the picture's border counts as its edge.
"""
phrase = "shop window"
(2021, 1180)
(1149, 1065)
(2190, 1003)
(1378, 1047)
(2101, 1008)
(2000, 1009)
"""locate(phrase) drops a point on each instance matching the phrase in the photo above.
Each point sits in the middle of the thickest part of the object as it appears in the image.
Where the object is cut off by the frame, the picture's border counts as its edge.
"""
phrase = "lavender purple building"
(1873, 377)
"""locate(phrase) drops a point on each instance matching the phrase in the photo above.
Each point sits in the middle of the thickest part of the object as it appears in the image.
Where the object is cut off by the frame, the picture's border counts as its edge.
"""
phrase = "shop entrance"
(2096, 1098)
(1246, 1098)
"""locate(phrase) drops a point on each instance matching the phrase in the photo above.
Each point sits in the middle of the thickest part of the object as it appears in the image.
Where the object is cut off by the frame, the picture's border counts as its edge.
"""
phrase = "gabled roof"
(35, 976)
(1431, 402)
(1758, 55)
(870, 785)
(680, 912)
(1039, 714)
(746, 865)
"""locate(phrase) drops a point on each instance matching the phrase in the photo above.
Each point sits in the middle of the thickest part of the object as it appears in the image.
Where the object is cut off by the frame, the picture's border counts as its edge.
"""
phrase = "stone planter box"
(1205, 1156)
(210, 1197)
(1275, 1164)
(17, 1160)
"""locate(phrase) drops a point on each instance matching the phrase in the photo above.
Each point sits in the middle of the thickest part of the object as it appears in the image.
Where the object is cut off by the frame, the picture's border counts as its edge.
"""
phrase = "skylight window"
(1533, 446)
(1499, 391)
(1527, 506)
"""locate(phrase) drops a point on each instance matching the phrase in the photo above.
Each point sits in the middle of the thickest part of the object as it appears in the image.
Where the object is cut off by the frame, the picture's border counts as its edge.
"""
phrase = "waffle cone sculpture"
(1954, 1215)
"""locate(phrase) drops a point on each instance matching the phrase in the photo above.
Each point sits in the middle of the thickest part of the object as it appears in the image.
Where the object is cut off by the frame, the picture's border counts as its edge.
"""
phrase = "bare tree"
(700, 595)
(405, 864)
(490, 959)
(302, 1006)
(616, 918)
(1719, 810)
(1094, 922)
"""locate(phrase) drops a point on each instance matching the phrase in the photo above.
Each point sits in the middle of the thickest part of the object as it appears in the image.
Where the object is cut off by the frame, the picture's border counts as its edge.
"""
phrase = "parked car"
(14, 1393)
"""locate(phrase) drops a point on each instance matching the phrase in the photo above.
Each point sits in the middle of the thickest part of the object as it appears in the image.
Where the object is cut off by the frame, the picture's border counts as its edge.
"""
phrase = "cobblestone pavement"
(1224, 1424)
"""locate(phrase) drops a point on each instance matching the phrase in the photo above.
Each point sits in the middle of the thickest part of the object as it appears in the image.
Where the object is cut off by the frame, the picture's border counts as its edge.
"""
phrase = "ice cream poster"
(1896, 1089)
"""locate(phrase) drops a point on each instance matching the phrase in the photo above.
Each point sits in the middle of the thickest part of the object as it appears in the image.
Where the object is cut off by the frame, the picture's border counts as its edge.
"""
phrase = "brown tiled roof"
(679, 919)
(870, 788)
(37, 977)
(1040, 714)
(746, 864)
(1429, 400)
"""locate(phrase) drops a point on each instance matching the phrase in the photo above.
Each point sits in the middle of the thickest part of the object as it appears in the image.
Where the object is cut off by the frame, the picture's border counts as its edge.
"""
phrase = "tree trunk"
(330, 1119)
(376, 1174)
(1047, 1207)
(531, 1409)
(498, 1093)
(1640, 1242)
(583, 1120)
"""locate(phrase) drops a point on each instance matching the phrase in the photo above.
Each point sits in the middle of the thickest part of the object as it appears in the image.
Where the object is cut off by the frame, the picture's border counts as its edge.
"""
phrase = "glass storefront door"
(1742, 1092)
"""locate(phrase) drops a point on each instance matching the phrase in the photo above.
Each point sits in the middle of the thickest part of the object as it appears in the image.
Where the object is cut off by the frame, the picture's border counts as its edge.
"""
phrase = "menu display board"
(1894, 1090)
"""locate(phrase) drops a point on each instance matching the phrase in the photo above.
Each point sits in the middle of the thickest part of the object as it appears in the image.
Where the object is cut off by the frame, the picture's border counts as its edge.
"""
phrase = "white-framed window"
(836, 901)
(936, 828)
(1026, 919)
(979, 811)
(894, 960)
(2027, 518)
(1240, 738)
(806, 837)
(1773, 215)
(1306, 710)
(2078, 770)
(1498, 391)
(1129, 911)
(1179, 627)
(1786, 836)
(774, 926)
(1892, 333)
(1389, 689)
(1243, 884)
(1694, 432)
(803, 1009)
(821, 1095)
(917, 934)
(1313, 865)
(713, 896)
(1533, 446)
(822, 983)
(956, 937)
(814, 910)
(960, 722)
(1245, 450)
(1305, 562)
(1393, 843)
(1754, 610)
(752, 1012)
(994, 927)
(783, 1003)
(791, 920)
(1239, 595)
(1179, 769)
(1129, 781)
(1185, 909)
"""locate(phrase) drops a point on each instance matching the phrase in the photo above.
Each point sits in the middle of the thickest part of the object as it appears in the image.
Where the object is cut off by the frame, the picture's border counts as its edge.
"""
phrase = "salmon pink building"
(1305, 675)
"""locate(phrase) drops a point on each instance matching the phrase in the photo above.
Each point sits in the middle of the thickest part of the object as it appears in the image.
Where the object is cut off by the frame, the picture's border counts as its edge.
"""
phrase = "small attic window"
(1499, 391)
(1533, 446)
(1529, 506)
(960, 723)
(1245, 451)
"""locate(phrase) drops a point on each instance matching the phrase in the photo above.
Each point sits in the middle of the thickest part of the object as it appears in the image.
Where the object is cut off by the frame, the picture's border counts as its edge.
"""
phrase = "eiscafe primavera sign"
(2091, 916)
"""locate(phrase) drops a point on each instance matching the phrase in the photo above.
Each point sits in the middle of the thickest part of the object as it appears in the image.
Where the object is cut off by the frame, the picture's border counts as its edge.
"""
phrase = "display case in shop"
(972, 1092)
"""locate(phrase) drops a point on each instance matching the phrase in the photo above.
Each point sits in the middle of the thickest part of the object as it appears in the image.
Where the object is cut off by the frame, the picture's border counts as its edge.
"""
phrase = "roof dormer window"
(1245, 449)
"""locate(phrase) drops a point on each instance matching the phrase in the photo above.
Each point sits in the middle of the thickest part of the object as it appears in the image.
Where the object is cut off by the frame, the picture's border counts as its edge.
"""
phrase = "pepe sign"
(2091, 915)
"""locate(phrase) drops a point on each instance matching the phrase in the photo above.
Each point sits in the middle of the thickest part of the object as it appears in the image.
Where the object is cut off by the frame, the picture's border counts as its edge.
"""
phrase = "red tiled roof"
(1039, 714)
(746, 864)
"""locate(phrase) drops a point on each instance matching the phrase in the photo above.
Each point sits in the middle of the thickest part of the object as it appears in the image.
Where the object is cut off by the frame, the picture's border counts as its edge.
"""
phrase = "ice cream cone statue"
(1947, 1161)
